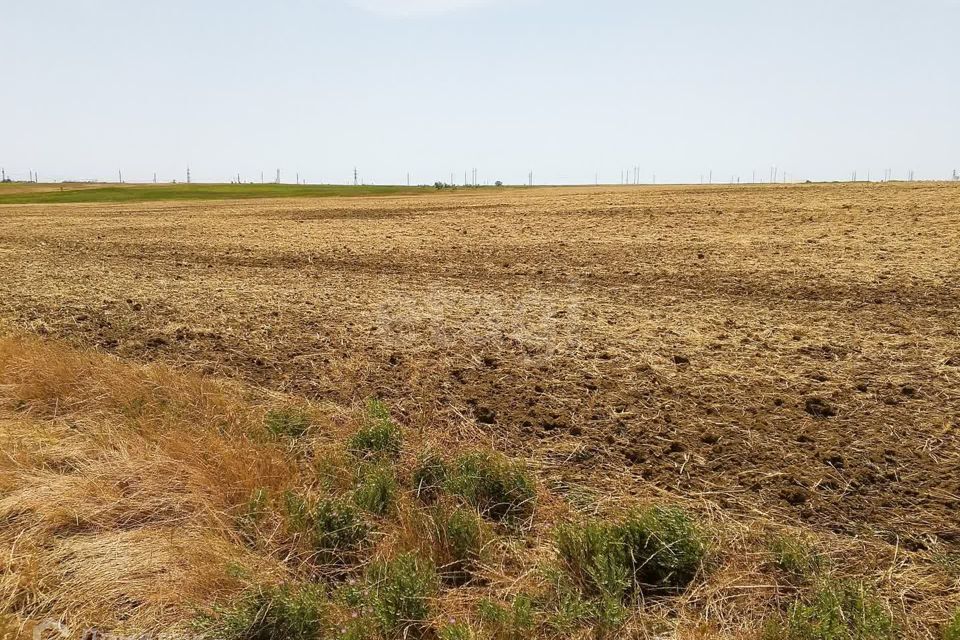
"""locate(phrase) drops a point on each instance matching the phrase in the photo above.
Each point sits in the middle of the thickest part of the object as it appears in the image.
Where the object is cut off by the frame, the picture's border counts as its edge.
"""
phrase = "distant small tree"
(498, 183)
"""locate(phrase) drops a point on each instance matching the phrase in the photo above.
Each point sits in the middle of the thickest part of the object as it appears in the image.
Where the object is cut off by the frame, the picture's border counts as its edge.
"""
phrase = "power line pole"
(120, 176)
(154, 177)
(355, 180)
(188, 175)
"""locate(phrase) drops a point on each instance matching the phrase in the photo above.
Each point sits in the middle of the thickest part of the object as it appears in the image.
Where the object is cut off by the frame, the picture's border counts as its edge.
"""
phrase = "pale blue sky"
(435, 87)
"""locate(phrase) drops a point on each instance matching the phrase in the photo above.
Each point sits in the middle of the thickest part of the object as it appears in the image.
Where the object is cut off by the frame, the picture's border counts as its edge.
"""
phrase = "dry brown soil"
(791, 349)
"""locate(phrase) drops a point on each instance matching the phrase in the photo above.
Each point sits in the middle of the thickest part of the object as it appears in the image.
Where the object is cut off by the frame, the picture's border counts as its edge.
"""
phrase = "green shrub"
(568, 610)
(657, 549)
(795, 557)
(595, 556)
(376, 490)
(292, 422)
(377, 410)
(460, 540)
(337, 529)
(664, 548)
(334, 529)
(952, 629)
(499, 488)
(457, 631)
(837, 611)
(253, 512)
(429, 476)
(379, 437)
(400, 592)
(269, 613)
(502, 622)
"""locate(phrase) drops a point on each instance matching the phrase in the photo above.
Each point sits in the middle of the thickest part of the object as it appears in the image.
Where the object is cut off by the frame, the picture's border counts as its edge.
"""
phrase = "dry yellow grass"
(121, 486)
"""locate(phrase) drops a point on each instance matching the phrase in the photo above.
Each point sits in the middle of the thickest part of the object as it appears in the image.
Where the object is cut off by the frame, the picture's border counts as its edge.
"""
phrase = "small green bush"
(665, 549)
(499, 488)
(795, 557)
(952, 629)
(507, 622)
(334, 528)
(337, 529)
(457, 631)
(253, 512)
(567, 610)
(429, 476)
(657, 549)
(595, 556)
(460, 536)
(399, 594)
(379, 437)
(377, 409)
(376, 491)
(291, 422)
(838, 611)
(269, 613)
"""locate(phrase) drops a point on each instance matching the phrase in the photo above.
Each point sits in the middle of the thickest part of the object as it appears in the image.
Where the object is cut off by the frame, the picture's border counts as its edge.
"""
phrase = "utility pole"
(154, 177)
(531, 177)
(120, 176)
(408, 178)
(298, 177)
(355, 180)
(188, 175)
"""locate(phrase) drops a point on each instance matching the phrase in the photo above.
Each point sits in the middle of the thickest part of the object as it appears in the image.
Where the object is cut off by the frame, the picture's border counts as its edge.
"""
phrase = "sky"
(574, 91)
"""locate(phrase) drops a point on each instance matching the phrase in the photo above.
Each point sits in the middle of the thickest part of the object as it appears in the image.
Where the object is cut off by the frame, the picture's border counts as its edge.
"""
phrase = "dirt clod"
(819, 408)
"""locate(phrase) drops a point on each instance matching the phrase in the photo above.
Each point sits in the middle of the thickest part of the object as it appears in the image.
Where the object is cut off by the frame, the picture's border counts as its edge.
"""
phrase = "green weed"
(291, 422)
(837, 611)
(334, 528)
(658, 549)
(269, 613)
(379, 437)
(795, 557)
(951, 631)
(507, 622)
(499, 488)
(400, 592)
(429, 476)
(376, 491)
(461, 541)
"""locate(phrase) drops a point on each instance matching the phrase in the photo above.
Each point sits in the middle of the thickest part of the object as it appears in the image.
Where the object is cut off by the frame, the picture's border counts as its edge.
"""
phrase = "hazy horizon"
(435, 88)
